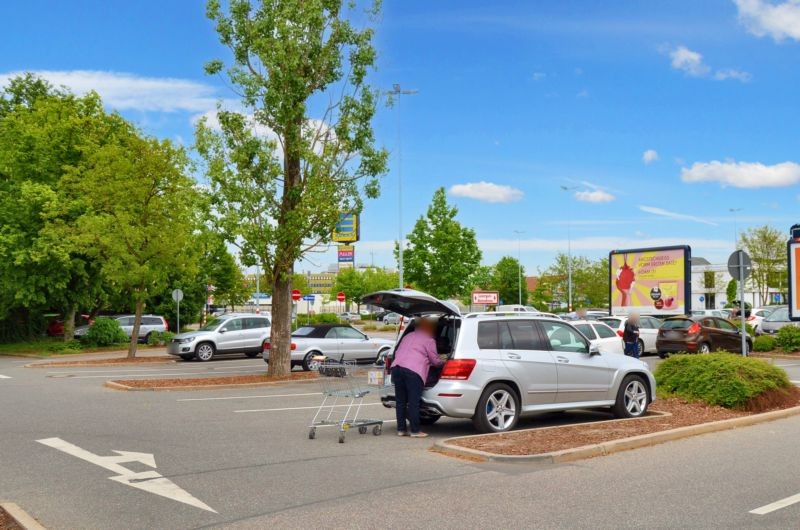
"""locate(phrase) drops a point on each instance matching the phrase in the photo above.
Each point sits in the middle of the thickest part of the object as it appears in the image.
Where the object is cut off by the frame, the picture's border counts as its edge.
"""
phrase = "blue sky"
(660, 116)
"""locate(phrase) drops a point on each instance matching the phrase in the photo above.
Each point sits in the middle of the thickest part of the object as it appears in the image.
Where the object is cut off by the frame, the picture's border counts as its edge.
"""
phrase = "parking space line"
(210, 374)
(251, 397)
(777, 505)
(306, 408)
(200, 368)
(4, 376)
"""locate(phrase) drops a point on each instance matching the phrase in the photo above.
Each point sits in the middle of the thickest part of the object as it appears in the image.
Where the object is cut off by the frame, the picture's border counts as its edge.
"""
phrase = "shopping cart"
(344, 394)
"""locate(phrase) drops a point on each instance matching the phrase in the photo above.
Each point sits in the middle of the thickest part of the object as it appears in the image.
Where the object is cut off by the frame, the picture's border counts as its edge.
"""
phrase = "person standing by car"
(631, 336)
(412, 360)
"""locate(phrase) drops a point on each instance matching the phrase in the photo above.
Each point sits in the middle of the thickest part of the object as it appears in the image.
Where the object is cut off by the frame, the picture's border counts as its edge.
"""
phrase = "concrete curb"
(21, 516)
(157, 360)
(614, 446)
(119, 386)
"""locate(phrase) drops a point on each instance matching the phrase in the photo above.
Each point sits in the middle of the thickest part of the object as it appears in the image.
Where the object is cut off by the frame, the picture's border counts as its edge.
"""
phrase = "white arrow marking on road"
(777, 505)
(149, 481)
(4, 376)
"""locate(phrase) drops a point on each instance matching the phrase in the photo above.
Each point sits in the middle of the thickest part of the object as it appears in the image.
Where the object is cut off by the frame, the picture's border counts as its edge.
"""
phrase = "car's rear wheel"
(497, 410)
(252, 354)
(204, 351)
(187, 357)
(663, 355)
(309, 363)
(380, 360)
(632, 398)
(641, 347)
(704, 348)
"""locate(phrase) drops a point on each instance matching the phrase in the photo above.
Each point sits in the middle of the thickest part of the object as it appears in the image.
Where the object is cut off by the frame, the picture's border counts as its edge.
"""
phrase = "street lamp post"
(398, 92)
(519, 266)
(569, 252)
(735, 227)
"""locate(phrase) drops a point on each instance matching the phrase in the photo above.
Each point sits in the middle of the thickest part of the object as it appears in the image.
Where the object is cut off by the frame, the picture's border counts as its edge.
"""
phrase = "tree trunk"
(281, 332)
(69, 323)
(137, 323)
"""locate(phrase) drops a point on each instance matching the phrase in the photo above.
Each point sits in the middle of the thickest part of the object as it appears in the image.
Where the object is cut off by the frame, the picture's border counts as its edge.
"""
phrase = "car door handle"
(562, 359)
(514, 356)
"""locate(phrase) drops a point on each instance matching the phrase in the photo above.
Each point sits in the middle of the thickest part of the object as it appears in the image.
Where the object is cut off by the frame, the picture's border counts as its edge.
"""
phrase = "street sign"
(177, 295)
(340, 296)
(347, 229)
(308, 298)
(702, 298)
(148, 480)
(296, 295)
(485, 297)
(733, 264)
(776, 298)
(346, 253)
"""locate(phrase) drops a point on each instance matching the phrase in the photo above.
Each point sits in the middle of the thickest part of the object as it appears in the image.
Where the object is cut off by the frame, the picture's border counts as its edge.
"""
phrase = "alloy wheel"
(635, 398)
(501, 410)
(205, 352)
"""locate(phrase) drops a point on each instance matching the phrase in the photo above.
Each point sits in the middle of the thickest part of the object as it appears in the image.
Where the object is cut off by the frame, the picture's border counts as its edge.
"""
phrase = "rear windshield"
(677, 323)
(613, 322)
(779, 315)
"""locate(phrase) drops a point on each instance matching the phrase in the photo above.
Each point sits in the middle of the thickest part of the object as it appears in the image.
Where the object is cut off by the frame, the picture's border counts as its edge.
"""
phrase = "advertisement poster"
(794, 280)
(650, 281)
(346, 253)
(347, 229)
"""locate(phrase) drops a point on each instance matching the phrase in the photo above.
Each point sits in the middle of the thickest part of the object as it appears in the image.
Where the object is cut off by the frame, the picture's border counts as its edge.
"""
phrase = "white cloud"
(743, 174)
(691, 63)
(487, 192)
(594, 196)
(124, 91)
(762, 18)
(538, 76)
(675, 215)
(582, 94)
(649, 156)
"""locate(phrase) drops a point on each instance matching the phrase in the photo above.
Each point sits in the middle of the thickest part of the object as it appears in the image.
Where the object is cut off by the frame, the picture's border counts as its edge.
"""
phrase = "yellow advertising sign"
(347, 229)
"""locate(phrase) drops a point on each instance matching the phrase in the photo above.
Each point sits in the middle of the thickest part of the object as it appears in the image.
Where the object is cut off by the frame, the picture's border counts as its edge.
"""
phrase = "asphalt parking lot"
(241, 458)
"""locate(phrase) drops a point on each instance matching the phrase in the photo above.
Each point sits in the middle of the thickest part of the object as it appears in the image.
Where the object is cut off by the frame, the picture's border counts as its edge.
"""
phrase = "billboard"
(793, 247)
(347, 229)
(485, 298)
(347, 253)
(651, 281)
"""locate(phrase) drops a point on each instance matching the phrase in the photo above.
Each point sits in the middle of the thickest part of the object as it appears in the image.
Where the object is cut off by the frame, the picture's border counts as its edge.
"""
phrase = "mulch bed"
(213, 381)
(120, 361)
(681, 414)
(7, 523)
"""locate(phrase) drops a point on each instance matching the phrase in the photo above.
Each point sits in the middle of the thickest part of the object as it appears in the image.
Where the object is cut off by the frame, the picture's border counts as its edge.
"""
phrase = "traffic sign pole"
(742, 306)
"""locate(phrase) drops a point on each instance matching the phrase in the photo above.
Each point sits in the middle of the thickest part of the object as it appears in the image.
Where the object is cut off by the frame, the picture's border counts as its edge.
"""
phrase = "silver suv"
(230, 333)
(150, 324)
(501, 366)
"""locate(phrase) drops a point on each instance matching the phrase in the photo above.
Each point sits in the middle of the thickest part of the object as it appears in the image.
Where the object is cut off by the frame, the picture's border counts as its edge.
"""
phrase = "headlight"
(183, 341)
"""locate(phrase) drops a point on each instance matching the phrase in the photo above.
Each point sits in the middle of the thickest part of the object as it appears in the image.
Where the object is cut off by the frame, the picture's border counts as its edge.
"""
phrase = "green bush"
(320, 318)
(105, 332)
(160, 338)
(64, 346)
(721, 379)
(764, 343)
(789, 338)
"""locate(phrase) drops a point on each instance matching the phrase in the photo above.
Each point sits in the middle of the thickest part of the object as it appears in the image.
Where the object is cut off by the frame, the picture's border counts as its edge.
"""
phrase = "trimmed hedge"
(723, 379)
(160, 338)
(764, 343)
(105, 332)
(789, 338)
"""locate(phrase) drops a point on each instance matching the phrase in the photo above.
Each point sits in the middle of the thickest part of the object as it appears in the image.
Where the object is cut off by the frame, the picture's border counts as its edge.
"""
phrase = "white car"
(648, 331)
(349, 316)
(757, 316)
(601, 336)
(392, 319)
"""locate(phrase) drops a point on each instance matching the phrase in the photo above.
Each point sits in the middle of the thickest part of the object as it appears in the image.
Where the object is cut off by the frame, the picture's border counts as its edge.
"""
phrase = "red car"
(699, 334)
(55, 328)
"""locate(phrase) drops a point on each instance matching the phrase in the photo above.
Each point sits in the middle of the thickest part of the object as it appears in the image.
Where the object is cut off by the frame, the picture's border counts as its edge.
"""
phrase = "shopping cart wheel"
(341, 437)
(312, 433)
(362, 430)
(377, 430)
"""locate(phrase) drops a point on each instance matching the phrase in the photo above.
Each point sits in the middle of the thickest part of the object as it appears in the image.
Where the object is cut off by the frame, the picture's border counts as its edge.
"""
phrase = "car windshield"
(677, 323)
(779, 315)
(212, 324)
(303, 332)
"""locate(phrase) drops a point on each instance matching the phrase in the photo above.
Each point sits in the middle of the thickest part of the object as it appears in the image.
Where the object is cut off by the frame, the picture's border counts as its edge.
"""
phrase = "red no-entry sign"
(340, 296)
(296, 295)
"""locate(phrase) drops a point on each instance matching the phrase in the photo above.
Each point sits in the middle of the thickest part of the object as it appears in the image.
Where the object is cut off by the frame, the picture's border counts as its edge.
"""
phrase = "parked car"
(516, 308)
(600, 335)
(392, 319)
(150, 324)
(502, 367)
(757, 316)
(55, 327)
(349, 316)
(242, 333)
(311, 344)
(648, 331)
(710, 313)
(776, 320)
(702, 334)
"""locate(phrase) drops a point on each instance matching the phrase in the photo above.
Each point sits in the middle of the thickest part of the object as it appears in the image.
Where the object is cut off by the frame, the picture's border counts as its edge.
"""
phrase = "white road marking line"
(305, 408)
(251, 397)
(149, 481)
(4, 376)
(783, 503)
(199, 368)
(116, 376)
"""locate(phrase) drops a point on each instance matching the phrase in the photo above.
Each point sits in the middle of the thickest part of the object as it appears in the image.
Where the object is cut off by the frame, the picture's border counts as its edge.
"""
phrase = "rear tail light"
(293, 346)
(694, 328)
(620, 333)
(458, 369)
(266, 346)
(751, 317)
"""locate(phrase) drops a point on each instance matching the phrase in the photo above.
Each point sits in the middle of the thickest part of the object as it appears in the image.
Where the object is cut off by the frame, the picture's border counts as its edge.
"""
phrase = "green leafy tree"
(767, 249)
(731, 292)
(303, 150)
(351, 283)
(442, 255)
(376, 279)
(590, 282)
(141, 225)
(481, 280)
(507, 279)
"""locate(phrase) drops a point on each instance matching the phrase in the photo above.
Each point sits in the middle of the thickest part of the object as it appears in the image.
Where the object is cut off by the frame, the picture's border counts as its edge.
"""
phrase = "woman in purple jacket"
(412, 360)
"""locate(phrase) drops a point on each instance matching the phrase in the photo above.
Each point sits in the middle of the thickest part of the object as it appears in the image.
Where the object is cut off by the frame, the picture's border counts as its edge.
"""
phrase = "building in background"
(320, 282)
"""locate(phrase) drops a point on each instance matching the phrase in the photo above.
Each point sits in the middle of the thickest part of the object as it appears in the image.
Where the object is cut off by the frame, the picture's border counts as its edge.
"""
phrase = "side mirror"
(223, 330)
(593, 350)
